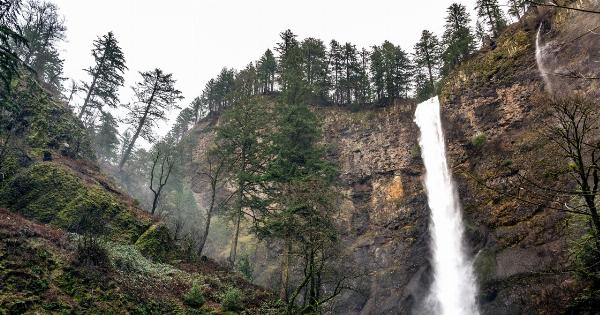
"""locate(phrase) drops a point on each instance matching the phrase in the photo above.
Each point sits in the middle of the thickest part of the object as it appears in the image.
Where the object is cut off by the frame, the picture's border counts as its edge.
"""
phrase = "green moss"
(49, 193)
(156, 243)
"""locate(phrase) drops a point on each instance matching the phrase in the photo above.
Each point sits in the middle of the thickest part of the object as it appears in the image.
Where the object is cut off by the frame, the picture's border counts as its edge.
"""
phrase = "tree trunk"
(88, 96)
(234, 242)
(92, 85)
(285, 272)
(208, 218)
(138, 130)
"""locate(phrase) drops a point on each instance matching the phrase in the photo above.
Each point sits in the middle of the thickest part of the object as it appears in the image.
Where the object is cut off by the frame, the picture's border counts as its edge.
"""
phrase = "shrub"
(478, 139)
(194, 296)
(92, 253)
(415, 151)
(245, 267)
(232, 300)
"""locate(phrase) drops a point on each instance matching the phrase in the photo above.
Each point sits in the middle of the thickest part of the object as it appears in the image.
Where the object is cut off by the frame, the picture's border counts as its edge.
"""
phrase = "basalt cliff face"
(494, 107)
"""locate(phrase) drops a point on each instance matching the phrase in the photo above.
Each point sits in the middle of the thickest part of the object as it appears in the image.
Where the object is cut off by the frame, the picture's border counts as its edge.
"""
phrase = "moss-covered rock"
(50, 193)
(156, 243)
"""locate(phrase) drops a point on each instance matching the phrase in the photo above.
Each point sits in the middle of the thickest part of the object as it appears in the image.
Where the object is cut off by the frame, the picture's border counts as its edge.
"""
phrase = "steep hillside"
(71, 241)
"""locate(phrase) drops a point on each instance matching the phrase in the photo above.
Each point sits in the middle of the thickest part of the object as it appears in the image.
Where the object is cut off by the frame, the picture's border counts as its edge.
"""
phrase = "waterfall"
(539, 59)
(453, 291)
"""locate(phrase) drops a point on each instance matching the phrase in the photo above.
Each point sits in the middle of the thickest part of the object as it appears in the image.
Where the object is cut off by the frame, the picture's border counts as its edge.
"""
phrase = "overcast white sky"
(194, 39)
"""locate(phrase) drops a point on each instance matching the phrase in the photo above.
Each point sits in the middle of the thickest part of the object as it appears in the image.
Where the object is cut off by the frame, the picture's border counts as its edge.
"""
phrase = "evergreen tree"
(458, 40)
(290, 65)
(43, 28)
(10, 36)
(301, 180)
(396, 72)
(197, 109)
(267, 66)
(107, 137)
(336, 71)
(314, 56)
(351, 68)
(246, 83)
(106, 75)
(427, 57)
(156, 94)
(490, 13)
(377, 70)
(362, 93)
(240, 138)
(183, 123)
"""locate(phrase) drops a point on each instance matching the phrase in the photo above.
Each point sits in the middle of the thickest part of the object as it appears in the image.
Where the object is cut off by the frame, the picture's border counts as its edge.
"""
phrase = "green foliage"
(490, 13)
(156, 243)
(427, 60)
(458, 39)
(194, 297)
(52, 194)
(106, 75)
(244, 266)
(390, 71)
(478, 139)
(415, 151)
(232, 300)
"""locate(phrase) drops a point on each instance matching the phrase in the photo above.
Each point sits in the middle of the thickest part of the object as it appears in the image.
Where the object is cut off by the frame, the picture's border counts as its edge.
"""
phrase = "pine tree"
(336, 64)
(377, 70)
(428, 57)
(314, 67)
(397, 72)
(290, 65)
(156, 94)
(458, 40)
(246, 83)
(267, 67)
(197, 109)
(491, 14)
(106, 75)
(351, 68)
(43, 28)
(9, 38)
(362, 91)
(301, 181)
(240, 139)
(107, 137)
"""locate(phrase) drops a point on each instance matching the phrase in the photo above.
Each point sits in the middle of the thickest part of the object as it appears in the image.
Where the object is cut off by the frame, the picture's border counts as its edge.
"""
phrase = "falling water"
(539, 58)
(453, 290)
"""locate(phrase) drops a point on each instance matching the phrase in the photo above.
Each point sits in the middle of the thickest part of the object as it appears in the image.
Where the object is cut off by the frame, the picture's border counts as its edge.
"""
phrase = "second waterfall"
(454, 289)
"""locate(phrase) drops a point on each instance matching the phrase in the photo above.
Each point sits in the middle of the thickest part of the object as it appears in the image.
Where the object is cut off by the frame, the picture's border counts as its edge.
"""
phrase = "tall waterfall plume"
(454, 289)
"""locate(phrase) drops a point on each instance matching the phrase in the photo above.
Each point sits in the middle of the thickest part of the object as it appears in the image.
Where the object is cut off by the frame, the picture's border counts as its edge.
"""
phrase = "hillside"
(56, 205)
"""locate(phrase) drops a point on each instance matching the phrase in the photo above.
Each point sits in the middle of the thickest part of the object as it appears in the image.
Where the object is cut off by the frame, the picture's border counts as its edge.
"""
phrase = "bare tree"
(159, 176)
(213, 174)
(576, 134)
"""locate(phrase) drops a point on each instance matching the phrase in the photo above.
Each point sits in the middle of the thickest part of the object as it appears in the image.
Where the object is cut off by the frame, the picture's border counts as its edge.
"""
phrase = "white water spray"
(539, 59)
(454, 289)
